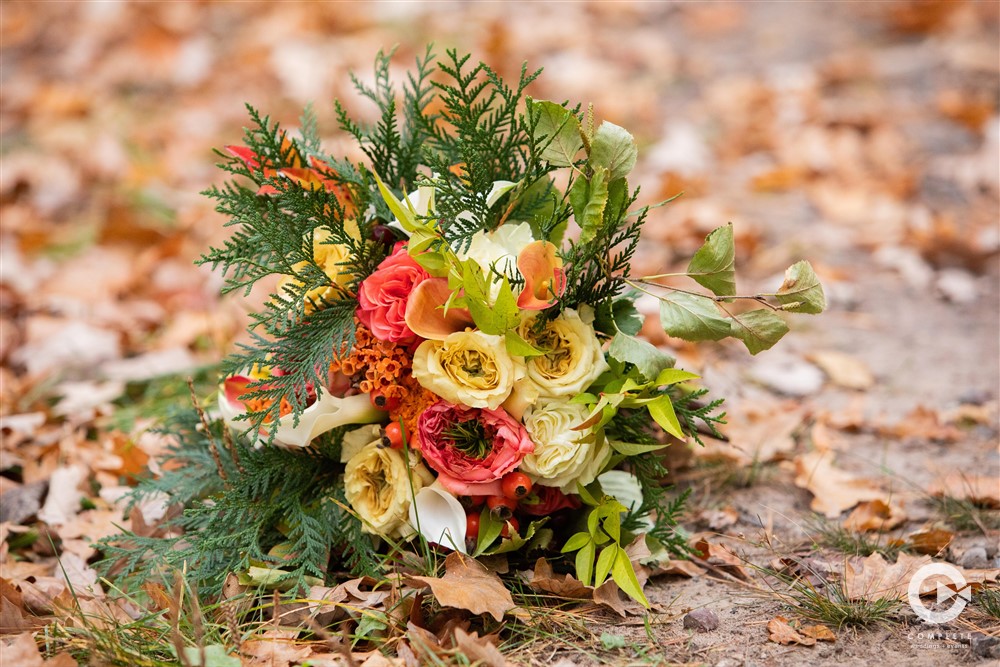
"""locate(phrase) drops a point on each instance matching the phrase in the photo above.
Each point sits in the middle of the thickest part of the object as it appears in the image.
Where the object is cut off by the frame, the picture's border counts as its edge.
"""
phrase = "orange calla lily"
(425, 316)
(544, 278)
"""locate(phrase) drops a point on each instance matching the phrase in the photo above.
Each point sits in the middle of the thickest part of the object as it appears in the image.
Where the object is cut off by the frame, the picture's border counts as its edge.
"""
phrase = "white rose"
(574, 357)
(467, 368)
(563, 457)
(377, 486)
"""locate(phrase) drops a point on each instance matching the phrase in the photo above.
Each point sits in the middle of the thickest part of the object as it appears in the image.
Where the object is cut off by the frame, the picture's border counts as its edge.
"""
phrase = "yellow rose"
(330, 257)
(563, 457)
(573, 360)
(377, 486)
(467, 368)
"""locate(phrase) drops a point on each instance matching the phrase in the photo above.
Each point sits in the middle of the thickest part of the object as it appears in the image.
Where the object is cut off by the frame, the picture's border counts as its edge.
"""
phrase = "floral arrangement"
(451, 349)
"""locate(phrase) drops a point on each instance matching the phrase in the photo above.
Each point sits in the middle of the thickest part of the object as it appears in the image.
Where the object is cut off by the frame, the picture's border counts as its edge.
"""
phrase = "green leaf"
(604, 563)
(635, 449)
(712, 266)
(624, 575)
(662, 411)
(585, 563)
(648, 359)
(620, 314)
(489, 530)
(575, 542)
(613, 527)
(519, 347)
(516, 542)
(670, 376)
(617, 196)
(692, 317)
(758, 329)
(593, 211)
(215, 656)
(802, 292)
(614, 149)
(403, 213)
(611, 641)
(561, 130)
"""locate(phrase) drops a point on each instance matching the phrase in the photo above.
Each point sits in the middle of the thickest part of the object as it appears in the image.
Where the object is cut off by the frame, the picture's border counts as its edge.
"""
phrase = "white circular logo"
(954, 588)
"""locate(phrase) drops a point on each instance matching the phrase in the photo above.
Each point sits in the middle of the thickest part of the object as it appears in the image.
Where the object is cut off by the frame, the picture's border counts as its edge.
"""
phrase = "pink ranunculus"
(383, 295)
(470, 448)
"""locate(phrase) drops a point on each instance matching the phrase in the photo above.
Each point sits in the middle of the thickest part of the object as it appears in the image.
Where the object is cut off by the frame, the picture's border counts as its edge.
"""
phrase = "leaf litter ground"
(863, 137)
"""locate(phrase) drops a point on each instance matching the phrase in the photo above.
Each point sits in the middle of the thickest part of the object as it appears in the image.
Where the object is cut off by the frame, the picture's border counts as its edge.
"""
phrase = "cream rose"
(563, 457)
(574, 358)
(377, 486)
(468, 368)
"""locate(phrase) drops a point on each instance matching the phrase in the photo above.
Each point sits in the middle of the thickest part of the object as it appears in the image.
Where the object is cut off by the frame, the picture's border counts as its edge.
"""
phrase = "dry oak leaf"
(874, 515)
(779, 631)
(467, 584)
(982, 490)
(544, 580)
(481, 650)
(819, 633)
(275, 648)
(833, 490)
(873, 578)
(931, 541)
(923, 423)
(720, 558)
(843, 369)
(683, 568)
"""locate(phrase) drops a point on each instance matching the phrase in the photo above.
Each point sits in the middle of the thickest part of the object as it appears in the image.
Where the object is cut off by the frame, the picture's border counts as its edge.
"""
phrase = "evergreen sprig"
(269, 496)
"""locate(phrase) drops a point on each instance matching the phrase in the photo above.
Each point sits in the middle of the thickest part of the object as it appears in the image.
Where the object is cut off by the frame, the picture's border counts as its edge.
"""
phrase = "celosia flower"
(468, 368)
(563, 457)
(379, 487)
(471, 449)
(382, 296)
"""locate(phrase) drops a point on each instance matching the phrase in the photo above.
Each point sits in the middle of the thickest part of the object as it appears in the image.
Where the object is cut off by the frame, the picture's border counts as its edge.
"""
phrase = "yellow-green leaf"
(758, 329)
(713, 265)
(801, 292)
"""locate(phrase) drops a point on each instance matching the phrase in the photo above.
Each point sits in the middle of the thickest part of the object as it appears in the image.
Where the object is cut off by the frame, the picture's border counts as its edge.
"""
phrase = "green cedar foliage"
(217, 525)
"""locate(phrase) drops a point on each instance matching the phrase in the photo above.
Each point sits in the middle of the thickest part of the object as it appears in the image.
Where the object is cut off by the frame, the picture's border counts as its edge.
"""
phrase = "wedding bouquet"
(450, 353)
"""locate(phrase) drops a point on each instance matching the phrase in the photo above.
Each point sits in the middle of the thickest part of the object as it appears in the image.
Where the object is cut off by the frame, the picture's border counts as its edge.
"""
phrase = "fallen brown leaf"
(479, 649)
(274, 649)
(22, 652)
(13, 616)
(874, 515)
(982, 490)
(833, 490)
(779, 631)
(819, 633)
(467, 584)
(930, 541)
(544, 580)
(874, 578)
(721, 558)
(843, 369)
(923, 423)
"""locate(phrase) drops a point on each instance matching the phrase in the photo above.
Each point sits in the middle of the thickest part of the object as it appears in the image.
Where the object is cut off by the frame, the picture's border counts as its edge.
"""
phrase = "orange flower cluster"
(379, 363)
(262, 404)
(384, 368)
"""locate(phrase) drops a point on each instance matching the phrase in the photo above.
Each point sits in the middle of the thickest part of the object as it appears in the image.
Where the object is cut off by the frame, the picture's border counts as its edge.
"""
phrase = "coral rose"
(471, 449)
(383, 295)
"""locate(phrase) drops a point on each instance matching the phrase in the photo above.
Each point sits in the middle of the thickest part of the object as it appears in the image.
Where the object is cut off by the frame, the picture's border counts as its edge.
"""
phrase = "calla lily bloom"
(425, 315)
(327, 412)
(439, 517)
(544, 278)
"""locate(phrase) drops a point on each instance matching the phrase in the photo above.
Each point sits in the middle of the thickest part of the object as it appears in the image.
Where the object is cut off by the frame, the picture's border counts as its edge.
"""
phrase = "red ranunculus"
(544, 500)
(470, 448)
(382, 296)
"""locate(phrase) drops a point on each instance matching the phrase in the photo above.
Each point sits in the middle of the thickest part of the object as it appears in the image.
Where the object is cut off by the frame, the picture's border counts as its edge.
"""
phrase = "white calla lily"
(439, 517)
(327, 412)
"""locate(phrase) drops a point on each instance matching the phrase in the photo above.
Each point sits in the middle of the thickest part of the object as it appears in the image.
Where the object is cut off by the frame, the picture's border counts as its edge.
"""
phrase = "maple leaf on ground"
(467, 584)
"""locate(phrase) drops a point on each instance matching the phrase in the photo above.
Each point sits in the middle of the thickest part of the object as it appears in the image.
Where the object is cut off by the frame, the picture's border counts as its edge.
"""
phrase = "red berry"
(476, 501)
(515, 485)
(383, 402)
(510, 524)
(501, 506)
(472, 525)
(394, 434)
